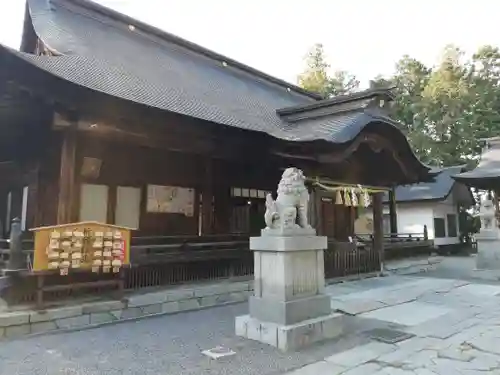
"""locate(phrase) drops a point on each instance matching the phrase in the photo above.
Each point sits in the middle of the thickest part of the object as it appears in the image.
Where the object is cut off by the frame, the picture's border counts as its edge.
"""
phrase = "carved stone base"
(289, 312)
(290, 337)
(290, 308)
(287, 232)
(284, 243)
(488, 252)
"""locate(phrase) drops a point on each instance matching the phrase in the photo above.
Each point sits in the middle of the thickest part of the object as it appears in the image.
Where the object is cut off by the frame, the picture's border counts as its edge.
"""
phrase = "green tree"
(446, 109)
(342, 83)
(445, 105)
(316, 76)
(484, 72)
(408, 81)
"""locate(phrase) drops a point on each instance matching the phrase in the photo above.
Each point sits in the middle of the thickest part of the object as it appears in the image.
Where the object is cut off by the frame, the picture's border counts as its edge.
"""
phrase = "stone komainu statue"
(289, 210)
(487, 215)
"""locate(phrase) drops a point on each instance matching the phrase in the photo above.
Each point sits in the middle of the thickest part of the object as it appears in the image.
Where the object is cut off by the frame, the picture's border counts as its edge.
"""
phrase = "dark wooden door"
(328, 217)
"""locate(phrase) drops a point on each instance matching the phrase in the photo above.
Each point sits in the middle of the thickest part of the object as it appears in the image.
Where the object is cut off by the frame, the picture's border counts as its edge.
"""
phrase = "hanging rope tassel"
(338, 198)
(366, 199)
(347, 198)
(355, 202)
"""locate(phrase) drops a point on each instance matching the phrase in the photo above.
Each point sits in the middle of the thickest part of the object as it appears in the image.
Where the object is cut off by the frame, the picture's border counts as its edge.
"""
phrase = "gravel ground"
(170, 344)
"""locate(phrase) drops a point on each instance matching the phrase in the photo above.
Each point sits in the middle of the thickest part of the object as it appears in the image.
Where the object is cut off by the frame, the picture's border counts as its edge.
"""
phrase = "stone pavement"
(456, 326)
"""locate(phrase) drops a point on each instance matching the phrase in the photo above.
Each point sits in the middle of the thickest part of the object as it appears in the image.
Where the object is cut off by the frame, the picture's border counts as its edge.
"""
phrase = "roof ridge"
(181, 42)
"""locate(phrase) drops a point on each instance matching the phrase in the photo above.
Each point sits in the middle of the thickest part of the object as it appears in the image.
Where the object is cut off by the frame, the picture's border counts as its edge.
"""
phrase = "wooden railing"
(4, 253)
(169, 260)
(159, 261)
(399, 245)
(27, 247)
(346, 259)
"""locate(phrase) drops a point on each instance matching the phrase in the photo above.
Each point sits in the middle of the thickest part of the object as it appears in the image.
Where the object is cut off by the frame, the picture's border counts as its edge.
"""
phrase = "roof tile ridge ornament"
(327, 102)
(49, 8)
(287, 215)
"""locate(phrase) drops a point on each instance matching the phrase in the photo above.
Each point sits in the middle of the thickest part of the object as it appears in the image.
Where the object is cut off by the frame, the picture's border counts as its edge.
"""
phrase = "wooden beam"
(171, 138)
(67, 197)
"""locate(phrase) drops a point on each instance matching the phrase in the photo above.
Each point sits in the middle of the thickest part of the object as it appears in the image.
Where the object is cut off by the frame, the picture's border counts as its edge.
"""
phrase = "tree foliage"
(317, 78)
(444, 109)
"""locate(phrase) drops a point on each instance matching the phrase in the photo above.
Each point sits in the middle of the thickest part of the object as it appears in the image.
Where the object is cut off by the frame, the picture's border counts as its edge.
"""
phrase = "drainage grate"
(389, 336)
(218, 352)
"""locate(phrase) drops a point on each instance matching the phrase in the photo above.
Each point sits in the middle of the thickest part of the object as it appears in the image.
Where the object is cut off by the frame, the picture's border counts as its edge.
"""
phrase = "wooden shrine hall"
(105, 118)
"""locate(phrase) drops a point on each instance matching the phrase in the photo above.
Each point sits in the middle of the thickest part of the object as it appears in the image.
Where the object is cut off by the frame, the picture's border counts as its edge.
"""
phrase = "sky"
(363, 37)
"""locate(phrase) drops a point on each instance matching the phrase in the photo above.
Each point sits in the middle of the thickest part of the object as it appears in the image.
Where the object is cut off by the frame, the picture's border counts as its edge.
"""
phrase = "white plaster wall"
(413, 216)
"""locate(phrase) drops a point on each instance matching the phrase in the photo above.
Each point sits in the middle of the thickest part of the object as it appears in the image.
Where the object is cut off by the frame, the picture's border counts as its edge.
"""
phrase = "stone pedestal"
(488, 249)
(289, 309)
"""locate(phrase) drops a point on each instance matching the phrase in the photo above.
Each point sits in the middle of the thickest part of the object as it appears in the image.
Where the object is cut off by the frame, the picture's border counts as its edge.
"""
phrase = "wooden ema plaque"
(89, 246)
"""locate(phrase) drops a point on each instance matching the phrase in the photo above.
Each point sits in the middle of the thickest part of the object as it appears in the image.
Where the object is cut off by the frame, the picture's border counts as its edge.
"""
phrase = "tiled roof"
(102, 53)
(437, 190)
(487, 173)
(96, 48)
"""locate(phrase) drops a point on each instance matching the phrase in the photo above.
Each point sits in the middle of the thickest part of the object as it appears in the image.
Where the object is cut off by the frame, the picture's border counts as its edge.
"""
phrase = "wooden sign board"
(86, 245)
(170, 199)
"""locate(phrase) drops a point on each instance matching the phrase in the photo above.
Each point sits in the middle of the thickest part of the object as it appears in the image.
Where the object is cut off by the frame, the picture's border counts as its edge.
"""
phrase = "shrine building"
(105, 118)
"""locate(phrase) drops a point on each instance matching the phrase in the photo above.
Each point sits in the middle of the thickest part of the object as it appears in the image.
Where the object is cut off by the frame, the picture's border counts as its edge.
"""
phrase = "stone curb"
(115, 322)
(25, 324)
(410, 267)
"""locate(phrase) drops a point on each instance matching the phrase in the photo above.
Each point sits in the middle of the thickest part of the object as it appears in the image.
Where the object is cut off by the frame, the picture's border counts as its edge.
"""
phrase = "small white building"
(434, 205)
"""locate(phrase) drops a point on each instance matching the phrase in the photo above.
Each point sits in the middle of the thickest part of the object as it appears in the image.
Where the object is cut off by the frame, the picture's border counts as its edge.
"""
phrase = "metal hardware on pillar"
(16, 256)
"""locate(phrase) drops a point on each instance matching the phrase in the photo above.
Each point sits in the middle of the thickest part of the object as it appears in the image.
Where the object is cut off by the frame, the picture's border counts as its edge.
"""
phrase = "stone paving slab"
(478, 290)
(408, 314)
(456, 323)
(320, 368)
(463, 341)
(355, 307)
(361, 354)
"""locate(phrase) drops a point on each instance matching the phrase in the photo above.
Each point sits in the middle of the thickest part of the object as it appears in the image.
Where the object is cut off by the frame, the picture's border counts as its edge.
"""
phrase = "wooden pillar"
(207, 212)
(318, 212)
(222, 212)
(67, 174)
(378, 228)
(33, 200)
(312, 207)
(393, 215)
